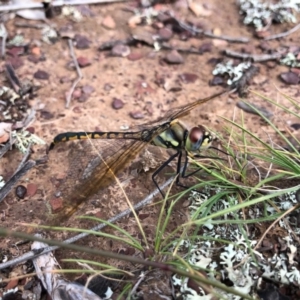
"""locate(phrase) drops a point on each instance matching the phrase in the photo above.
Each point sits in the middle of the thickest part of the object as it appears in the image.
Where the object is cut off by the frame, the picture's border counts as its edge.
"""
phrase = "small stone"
(117, 103)
(15, 51)
(33, 58)
(64, 79)
(83, 61)
(148, 253)
(56, 204)
(107, 87)
(77, 110)
(120, 50)
(21, 191)
(31, 189)
(174, 57)
(143, 216)
(129, 251)
(31, 129)
(217, 80)
(217, 31)
(81, 42)
(42, 75)
(133, 56)
(36, 51)
(295, 126)
(290, 78)
(47, 115)
(83, 98)
(136, 115)
(220, 43)
(88, 89)
(188, 77)
(77, 93)
(108, 22)
(199, 9)
(165, 33)
(205, 47)
(12, 284)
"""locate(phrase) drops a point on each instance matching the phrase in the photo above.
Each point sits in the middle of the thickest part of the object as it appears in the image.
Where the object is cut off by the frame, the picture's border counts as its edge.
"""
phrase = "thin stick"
(6, 147)
(30, 5)
(69, 96)
(253, 57)
(4, 37)
(24, 158)
(31, 254)
(282, 34)
(209, 34)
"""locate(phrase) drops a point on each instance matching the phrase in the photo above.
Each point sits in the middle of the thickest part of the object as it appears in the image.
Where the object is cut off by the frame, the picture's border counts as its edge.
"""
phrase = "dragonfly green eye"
(198, 138)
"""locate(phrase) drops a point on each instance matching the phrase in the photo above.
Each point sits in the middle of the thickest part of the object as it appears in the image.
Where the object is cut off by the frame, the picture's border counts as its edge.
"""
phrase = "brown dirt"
(97, 113)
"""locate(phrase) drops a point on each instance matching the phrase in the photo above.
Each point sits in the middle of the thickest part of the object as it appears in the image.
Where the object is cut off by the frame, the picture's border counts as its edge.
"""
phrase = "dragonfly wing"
(94, 169)
(175, 113)
(185, 109)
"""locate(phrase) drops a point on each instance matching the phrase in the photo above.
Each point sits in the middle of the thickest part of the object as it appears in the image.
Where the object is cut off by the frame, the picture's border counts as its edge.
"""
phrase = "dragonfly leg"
(154, 175)
(182, 172)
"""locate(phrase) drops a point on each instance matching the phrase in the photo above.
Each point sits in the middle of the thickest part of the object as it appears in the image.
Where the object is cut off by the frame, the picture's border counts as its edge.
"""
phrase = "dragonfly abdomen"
(71, 136)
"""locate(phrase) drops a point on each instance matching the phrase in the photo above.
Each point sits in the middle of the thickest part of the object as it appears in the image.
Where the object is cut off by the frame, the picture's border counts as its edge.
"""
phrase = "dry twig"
(36, 4)
(70, 93)
(195, 30)
(282, 34)
(4, 37)
(253, 57)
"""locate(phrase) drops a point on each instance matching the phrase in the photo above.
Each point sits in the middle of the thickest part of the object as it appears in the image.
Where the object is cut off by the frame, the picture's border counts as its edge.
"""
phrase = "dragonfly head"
(198, 139)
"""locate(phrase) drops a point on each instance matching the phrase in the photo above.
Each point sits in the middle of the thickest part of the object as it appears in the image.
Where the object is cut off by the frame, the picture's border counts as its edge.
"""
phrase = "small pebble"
(188, 77)
(174, 57)
(136, 115)
(295, 126)
(165, 33)
(83, 61)
(42, 75)
(88, 89)
(290, 78)
(217, 80)
(47, 115)
(117, 103)
(15, 51)
(81, 42)
(31, 189)
(109, 23)
(120, 50)
(77, 93)
(56, 204)
(205, 47)
(21, 191)
(133, 56)
(107, 87)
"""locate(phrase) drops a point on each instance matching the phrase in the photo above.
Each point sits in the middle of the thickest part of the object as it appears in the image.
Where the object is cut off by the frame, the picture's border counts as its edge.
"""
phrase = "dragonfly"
(166, 132)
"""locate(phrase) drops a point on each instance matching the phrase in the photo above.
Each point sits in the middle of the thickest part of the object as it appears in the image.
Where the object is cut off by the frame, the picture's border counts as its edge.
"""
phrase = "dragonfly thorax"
(198, 139)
